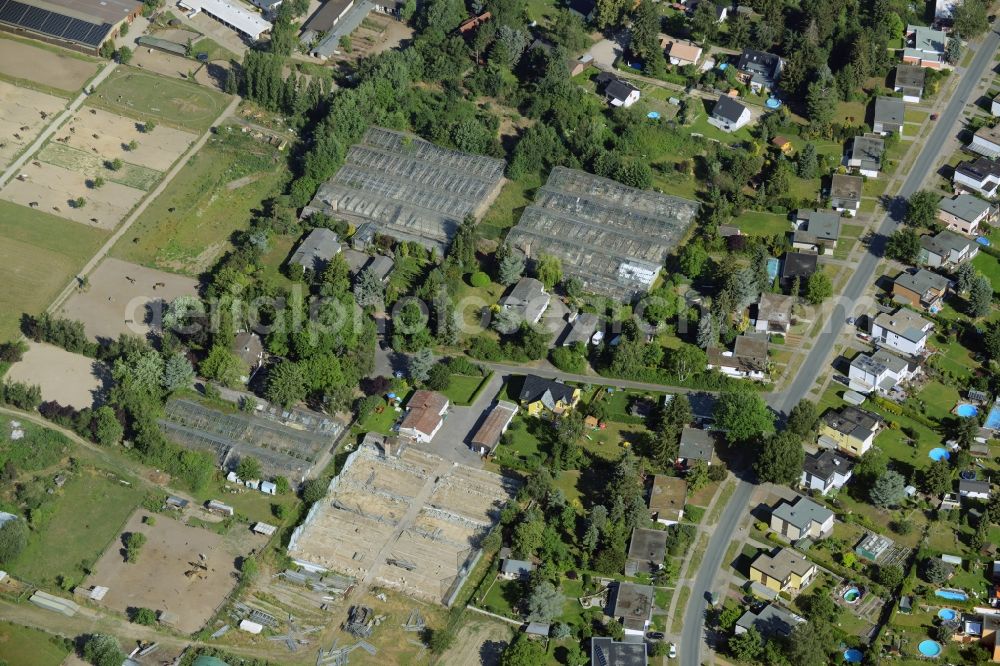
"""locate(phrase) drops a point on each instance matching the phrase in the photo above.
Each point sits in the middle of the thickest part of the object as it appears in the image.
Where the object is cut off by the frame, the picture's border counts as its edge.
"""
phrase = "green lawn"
(143, 95)
(506, 210)
(463, 387)
(503, 596)
(990, 267)
(380, 422)
(254, 505)
(935, 400)
(700, 125)
(39, 254)
(22, 645)
(761, 223)
(88, 515)
(188, 226)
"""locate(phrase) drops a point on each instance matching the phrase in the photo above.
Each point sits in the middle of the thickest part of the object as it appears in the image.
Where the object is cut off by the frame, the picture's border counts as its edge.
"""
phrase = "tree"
(79, 202)
(148, 126)
(368, 289)
(177, 372)
(803, 418)
(729, 615)
(965, 277)
(888, 490)
(747, 646)
(116, 164)
(134, 541)
(805, 162)
(708, 331)
(921, 208)
(692, 259)
(548, 269)
(439, 640)
(780, 459)
(510, 265)
(684, 361)
(439, 377)
(645, 35)
(810, 644)
(903, 245)
(124, 55)
(953, 50)
(103, 650)
(743, 415)
(13, 539)
(523, 652)
(704, 23)
(545, 603)
(821, 102)
(936, 570)
(249, 469)
(223, 366)
(144, 616)
(818, 287)
(97, 182)
(132, 145)
(248, 569)
(936, 478)
(980, 297)
(286, 384)
(970, 19)
(891, 576)
(313, 491)
(107, 429)
(419, 365)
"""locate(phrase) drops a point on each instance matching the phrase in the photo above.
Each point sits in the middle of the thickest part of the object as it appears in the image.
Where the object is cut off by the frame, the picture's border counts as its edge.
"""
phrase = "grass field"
(462, 388)
(142, 95)
(761, 223)
(22, 645)
(39, 254)
(990, 267)
(89, 511)
(190, 223)
(74, 159)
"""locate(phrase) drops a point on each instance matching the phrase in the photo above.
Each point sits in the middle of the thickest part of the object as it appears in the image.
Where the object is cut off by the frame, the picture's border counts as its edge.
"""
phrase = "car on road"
(672, 652)
(654, 635)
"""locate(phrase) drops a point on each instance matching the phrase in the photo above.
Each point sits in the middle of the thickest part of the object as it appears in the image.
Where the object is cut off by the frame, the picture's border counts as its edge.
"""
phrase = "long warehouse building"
(82, 25)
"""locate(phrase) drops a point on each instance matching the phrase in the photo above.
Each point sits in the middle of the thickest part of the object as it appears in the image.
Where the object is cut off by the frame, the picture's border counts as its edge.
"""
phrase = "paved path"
(815, 363)
(15, 167)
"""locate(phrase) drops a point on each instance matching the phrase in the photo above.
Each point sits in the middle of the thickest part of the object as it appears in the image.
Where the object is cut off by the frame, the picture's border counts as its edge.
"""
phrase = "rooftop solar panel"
(54, 24)
(34, 18)
(12, 12)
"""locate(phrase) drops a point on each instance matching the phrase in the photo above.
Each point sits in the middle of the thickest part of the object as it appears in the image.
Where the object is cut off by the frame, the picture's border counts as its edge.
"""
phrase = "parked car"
(672, 652)
(654, 635)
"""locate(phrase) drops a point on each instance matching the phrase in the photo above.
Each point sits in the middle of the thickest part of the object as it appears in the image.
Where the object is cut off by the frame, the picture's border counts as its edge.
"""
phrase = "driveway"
(451, 442)
(606, 51)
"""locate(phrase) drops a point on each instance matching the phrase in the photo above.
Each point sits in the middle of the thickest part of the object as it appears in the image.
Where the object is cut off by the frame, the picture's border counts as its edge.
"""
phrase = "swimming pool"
(993, 418)
(653, 115)
(952, 595)
(938, 454)
(947, 614)
(929, 648)
(851, 595)
(853, 656)
(966, 410)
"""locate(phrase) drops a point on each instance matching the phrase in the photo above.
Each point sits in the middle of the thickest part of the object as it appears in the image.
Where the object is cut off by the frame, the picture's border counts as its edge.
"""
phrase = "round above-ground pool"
(929, 648)
(853, 656)
(773, 103)
(966, 410)
(947, 614)
(851, 595)
(938, 453)
(952, 595)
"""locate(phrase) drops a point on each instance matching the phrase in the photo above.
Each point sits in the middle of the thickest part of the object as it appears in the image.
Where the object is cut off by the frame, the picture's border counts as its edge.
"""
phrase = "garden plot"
(74, 159)
(106, 135)
(69, 379)
(118, 297)
(25, 112)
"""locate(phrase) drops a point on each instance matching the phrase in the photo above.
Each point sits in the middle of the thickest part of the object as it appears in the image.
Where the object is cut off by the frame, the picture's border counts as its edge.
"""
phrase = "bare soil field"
(25, 112)
(166, 64)
(158, 579)
(113, 300)
(69, 379)
(63, 71)
(479, 641)
(107, 136)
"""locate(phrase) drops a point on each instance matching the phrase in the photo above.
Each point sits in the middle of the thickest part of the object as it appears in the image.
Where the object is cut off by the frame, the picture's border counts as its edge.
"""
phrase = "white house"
(979, 176)
(879, 371)
(248, 23)
(903, 330)
(964, 213)
(986, 142)
(995, 106)
(825, 471)
(424, 415)
(801, 518)
(974, 489)
(729, 115)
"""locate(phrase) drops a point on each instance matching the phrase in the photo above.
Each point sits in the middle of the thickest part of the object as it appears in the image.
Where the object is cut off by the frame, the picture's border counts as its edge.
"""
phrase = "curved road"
(694, 615)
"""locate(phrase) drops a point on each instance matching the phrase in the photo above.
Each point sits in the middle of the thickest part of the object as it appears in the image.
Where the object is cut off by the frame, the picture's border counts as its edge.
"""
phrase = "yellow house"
(852, 429)
(538, 394)
(785, 570)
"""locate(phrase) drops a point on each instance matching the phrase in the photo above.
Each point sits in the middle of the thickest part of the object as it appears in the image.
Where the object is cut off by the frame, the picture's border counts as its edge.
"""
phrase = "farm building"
(409, 188)
(614, 238)
(81, 25)
(488, 436)
(248, 24)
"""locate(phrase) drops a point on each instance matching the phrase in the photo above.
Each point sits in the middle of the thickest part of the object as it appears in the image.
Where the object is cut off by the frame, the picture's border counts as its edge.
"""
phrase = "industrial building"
(249, 24)
(409, 188)
(82, 25)
(614, 238)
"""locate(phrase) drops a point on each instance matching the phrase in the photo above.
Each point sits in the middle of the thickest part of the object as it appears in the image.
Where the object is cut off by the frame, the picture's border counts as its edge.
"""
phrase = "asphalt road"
(694, 615)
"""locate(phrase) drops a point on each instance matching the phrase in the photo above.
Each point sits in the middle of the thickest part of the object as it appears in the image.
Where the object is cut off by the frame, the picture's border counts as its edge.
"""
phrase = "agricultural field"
(67, 378)
(44, 67)
(39, 254)
(23, 645)
(25, 113)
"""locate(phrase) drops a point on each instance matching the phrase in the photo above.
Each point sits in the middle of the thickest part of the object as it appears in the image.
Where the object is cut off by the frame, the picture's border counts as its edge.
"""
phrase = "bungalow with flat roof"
(784, 571)
(925, 47)
(880, 371)
(986, 142)
(646, 551)
(825, 471)
(852, 429)
(666, 499)
(801, 518)
(633, 607)
(964, 213)
(485, 441)
(815, 229)
(606, 651)
(845, 193)
(909, 80)
(729, 115)
(920, 289)
(888, 115)
(979, 176)
(696, 445)
(539, 393)
(681, 52)
(527, 300)
(771, 621)
(424, 415)
(316, 250)
(748, 359)
(759, 69)
(865, 154)
(946, 248)
(903, 331)
(774, 313)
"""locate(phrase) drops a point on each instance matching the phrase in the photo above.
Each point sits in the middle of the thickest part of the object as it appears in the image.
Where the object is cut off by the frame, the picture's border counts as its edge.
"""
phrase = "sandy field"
(69, 379)
(23, 61)
(479, 641)
(112, 299)
(22, 118)
(156, 150)
(163, 63)
(52, 188)
(158, 579)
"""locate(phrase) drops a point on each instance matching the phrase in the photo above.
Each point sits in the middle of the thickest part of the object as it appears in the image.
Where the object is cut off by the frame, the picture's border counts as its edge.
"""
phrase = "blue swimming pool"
(853, 656)
(929, 648)
(938, 454)
(947, 614)
(966, 410)
(851, 595)
(952, 595)
(993, 418)
(773, 103)
(653, 115)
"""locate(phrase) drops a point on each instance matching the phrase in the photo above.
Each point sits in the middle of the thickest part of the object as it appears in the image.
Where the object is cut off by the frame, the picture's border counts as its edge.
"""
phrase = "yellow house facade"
(783, 571)
(852, 429)
(539, 395)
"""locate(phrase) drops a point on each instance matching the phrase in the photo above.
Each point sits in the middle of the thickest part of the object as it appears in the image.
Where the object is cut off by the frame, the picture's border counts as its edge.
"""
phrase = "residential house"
(909, 80)
(527, 300)
(774, 313)
(609, 652)
(771, 621)
(979, 176)
(903, 330)
(538, 393)
(666, 499)
(580, 65)
(798, 265)
(485, 441)
(925, 47)
(801, 518)
(873, 547)
(986, 142)
(920, 289)
(680, 52)
(946, 248)
(888, 115)
(845, 193)
(880, 371)
(784, 571)
(247, 346)
(582, 8)
(584, 328)
(759, 69)
(318, 248)
(995, 105)
(964, 213)
(815, 229)
(866, 154)
(634, 608)
(783, 143)
(729, 115)
(538, 629)
(974, 489)
(512, 569)
(695, 446)
(646, 551)
(825, 471)
(851, 429)
(748, 359)
(617, 92)
(472, 23)
(424, 415)
(380, 266)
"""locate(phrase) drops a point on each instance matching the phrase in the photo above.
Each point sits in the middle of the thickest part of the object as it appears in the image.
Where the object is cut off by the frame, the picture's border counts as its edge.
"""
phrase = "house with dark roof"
(605, 651)
(247, 346)
(845, 193)
(801, 518)
(974, 489)
(851, 429)
(920, 289)
(729, 115)
(880, 371)
(584, 329)
(946, 248)
(798, 265)
(888, 116)
(825, 471)
(909, 80)
(582, 8)
(539, 393)
(759, 69)
(696, 445)
(512, 569)
(424, 415)
(964, 213)
(815, 229)
(485, 441)
(527, 300)
(748, 359)
(774, 313)
(633, 607)
(865, 154)
(617, 92)
(771, 621)
(979, 176)
(903, 331)
(646, 551)
(316, 250)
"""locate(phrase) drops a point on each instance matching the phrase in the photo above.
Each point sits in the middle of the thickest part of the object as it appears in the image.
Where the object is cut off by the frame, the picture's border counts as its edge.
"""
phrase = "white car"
(672, 653)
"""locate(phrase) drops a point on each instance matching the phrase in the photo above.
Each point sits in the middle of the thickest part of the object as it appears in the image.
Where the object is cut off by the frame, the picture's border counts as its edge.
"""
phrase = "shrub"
(479, 279)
